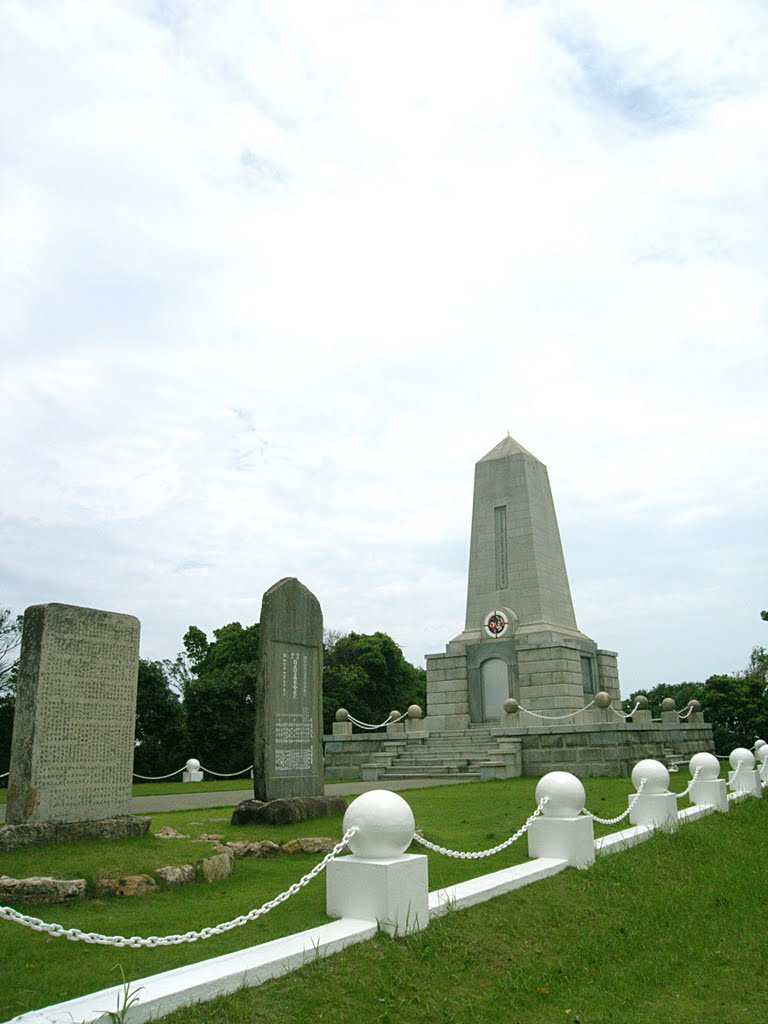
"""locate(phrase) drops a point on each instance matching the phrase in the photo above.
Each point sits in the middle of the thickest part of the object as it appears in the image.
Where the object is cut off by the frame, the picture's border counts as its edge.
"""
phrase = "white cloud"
(276, 276)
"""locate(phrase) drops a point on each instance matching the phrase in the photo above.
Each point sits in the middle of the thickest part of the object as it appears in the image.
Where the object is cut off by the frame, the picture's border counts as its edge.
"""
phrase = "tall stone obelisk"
(520, 637)
(515, 555)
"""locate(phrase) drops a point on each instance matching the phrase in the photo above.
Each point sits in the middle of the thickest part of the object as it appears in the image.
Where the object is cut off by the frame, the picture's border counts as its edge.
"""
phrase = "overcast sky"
(275, 275)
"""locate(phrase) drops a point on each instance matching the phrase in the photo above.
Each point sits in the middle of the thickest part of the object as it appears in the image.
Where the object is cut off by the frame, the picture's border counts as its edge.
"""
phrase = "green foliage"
(736, 705)
(681, 693)
(10, 638)
(219, 695)
(161, 744)
(368, 675)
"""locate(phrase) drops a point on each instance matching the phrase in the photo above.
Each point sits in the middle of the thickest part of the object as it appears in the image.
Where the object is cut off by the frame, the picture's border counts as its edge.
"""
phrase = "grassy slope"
(468, 817)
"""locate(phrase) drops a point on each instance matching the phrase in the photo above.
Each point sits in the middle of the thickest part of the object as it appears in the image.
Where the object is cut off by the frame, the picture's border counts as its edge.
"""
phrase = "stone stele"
(288, 753)
(73, 731)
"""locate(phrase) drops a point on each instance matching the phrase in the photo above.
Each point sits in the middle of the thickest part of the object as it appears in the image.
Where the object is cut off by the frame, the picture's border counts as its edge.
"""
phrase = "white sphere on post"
(708, 765)
(565, 795)
(656, 776)
(380, 882)
(741, 754)
(561, 831)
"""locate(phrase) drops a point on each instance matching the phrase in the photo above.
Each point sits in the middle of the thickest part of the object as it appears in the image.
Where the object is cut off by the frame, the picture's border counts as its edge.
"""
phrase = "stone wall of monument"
(447, 698)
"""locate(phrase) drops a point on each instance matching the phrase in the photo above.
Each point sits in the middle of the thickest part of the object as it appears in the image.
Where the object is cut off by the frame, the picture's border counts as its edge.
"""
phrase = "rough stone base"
(14, 836)
(42, 890)
(287, 811)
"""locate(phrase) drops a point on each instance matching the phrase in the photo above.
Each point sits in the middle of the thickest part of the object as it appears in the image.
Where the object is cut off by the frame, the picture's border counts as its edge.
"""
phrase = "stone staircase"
(466, 754)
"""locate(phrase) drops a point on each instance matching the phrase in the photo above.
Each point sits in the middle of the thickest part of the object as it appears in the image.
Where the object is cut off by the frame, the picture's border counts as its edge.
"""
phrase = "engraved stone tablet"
(73, 731)
(288, 755)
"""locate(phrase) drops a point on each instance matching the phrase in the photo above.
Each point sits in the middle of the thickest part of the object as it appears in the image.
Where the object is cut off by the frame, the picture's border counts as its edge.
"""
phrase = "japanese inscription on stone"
(287, 751)
(73, 739)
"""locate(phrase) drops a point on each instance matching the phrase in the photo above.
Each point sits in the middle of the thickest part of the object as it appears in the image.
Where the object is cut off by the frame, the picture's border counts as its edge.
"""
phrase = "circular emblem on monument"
(496, 623)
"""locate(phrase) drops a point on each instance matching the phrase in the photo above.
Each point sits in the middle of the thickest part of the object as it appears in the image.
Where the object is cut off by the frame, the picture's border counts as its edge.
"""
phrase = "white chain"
(4, 775)
(620, 714)
(614, 821)
(556, 718)
(687, 789)
(367, 725)
(684, 714)
(226, 775)
(484, 853)
(156, 778)
(135, 942)
(735, 774)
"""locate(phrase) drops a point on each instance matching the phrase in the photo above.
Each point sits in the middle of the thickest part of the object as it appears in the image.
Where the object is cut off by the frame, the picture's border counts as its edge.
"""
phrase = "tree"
(160, 734)
(10, 639)
(369, 676)
(219, 695)
(680, 692)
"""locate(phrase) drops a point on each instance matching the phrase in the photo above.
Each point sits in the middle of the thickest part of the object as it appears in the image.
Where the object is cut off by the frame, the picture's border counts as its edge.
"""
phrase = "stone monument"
(521, 690)
(74, 727)
(520, 637)
(288, 751)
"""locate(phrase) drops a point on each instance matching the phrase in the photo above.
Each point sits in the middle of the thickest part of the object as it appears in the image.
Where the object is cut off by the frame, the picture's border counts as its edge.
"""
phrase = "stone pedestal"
(710, 793)
(669, 718)
(745, 782)
(656, 809)
(393, 891)
(191, 776)
(571, 839)
(415, 727)
(396, 729)
(342, 728)
(641, 719)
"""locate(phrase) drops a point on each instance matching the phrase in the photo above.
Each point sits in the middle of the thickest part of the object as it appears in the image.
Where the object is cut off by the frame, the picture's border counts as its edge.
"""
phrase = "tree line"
(201, 704)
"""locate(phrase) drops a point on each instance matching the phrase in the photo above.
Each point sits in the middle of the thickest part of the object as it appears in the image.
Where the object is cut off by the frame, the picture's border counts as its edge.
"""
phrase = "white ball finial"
(565, 793)
(385, 825)
(710, 766)
(414, 711)
(762, 754)
(655, 774)
(603, 699)
(192, 765)
(757, 744)
(342, 715)
(745, 756)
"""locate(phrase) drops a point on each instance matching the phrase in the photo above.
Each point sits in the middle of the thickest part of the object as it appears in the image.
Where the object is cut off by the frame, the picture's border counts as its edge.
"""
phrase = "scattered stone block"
(169, 833)
(183, 874)
(128, 885)
(288, 811)
(319, 844)
(42, 890)
(14, 836)
(215, 868)
(258, 849)
(206, 837)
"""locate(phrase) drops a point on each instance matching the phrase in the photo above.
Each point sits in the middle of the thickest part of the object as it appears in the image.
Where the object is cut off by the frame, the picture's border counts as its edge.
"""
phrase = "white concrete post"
(744, 778)
(655, 806)
(762, 757)
(708, 790)
(192, 771)
(379, 881)
(561, 831)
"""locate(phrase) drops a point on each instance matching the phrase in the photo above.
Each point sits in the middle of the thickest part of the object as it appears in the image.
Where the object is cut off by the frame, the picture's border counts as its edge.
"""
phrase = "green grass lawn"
(666, 893)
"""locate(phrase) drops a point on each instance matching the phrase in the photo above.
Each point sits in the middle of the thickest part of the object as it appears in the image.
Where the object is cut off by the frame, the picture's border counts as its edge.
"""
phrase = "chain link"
(556, 718)
(687, 789)
(226, 775)
(460, 855)
(136, 941)
(369, 727)
(620, 714)
(157, 778)
(615, 821)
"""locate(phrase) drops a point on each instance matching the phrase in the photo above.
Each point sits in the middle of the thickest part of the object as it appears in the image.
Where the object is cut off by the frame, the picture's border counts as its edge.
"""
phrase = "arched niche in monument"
(494, 682)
